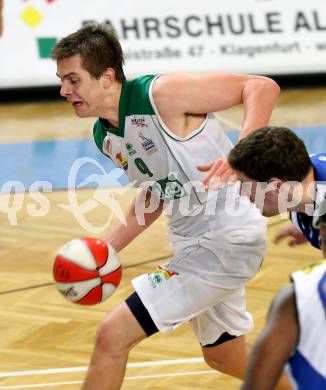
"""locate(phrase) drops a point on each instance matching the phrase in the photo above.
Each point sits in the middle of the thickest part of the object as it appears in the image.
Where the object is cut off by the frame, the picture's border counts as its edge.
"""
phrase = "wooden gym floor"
(46, 341)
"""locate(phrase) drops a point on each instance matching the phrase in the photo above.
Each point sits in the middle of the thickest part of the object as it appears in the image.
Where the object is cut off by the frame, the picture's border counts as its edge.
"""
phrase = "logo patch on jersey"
(122, 161)
(107, 146)
(147, 144)
(168, 188)
(130, 149)
(139, 121)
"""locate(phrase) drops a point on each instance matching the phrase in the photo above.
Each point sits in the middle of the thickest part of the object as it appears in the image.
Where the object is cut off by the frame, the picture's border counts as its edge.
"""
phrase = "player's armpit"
(275, 344)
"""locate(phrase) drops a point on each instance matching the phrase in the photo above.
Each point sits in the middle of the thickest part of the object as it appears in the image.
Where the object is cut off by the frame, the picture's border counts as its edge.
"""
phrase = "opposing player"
(159, 129)
(278, 175)
(295, 332)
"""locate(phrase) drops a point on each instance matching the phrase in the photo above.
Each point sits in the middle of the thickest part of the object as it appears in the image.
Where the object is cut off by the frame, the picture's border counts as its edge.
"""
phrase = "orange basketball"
(87, 271)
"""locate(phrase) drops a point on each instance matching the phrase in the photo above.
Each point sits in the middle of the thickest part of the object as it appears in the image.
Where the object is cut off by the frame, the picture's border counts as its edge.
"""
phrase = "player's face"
(263, 195)
(81, 89)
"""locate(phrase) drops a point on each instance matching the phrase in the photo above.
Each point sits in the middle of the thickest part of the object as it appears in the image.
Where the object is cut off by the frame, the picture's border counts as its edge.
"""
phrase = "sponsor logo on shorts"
(159, 276)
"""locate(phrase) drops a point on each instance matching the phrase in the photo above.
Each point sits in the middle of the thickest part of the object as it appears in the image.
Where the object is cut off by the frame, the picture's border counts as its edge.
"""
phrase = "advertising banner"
(248, 36)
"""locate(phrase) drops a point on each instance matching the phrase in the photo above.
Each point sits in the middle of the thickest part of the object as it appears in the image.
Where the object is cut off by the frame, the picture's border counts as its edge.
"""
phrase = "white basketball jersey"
(166, 164)
(308, 364)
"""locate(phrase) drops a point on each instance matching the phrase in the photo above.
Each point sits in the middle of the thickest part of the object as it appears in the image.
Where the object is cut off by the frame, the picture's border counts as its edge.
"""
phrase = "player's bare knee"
(105, 335)
(108, 338)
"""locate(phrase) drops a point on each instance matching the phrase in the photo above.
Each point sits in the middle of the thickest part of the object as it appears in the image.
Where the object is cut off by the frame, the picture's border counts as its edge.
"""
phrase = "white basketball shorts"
(214, 302)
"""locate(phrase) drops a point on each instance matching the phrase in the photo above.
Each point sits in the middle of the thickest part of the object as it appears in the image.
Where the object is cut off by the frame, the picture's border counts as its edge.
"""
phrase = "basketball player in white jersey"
(295, 332)
(160, 130)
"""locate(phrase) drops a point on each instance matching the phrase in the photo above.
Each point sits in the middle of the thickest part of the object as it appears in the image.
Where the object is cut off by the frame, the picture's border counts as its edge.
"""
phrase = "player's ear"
(108, 77)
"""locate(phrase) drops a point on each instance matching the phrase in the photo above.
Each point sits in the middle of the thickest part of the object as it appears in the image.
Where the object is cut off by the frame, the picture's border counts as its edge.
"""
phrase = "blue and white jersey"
(307, 223)
(307, 366)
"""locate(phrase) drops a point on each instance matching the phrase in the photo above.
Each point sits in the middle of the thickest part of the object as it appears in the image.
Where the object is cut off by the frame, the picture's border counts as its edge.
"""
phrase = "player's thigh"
(231, 354)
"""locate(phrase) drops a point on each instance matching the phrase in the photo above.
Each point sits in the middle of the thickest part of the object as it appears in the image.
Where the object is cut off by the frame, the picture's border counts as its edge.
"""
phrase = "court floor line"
(51, 283)
(139, 377)
(154, 363)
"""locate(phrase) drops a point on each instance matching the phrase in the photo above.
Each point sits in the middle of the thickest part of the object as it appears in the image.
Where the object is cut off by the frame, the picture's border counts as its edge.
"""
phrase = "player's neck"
(109, 108)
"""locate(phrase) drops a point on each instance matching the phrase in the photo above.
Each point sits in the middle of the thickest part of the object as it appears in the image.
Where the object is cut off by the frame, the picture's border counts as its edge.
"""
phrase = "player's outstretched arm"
(186, 93)
(179, 94)
(275, 344)
(140, 215)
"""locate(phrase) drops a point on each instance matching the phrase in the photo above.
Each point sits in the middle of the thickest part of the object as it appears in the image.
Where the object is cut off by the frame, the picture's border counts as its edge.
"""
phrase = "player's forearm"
(120, 236)
(259, 98)
(137, 220)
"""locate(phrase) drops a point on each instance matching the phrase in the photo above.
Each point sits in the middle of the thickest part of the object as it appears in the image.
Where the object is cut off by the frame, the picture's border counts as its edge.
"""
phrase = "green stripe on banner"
(45, 46)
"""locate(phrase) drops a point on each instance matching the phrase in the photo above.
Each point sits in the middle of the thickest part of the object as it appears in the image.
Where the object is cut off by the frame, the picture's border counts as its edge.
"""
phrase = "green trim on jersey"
(134, 100)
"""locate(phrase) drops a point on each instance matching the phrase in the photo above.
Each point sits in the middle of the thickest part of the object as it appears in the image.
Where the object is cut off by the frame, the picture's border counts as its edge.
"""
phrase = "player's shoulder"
(319, 163)
(136, 96)
(283, 300)
(178, 80)
(139, 84)
(319, 157)
(310, 291)
(283, 310)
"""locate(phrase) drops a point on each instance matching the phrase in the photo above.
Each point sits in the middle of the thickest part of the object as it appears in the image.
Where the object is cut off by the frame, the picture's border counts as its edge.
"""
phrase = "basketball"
(87, 271)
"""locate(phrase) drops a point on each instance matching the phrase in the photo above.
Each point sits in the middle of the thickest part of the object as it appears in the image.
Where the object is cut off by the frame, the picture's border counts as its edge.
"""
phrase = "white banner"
(248, 36)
